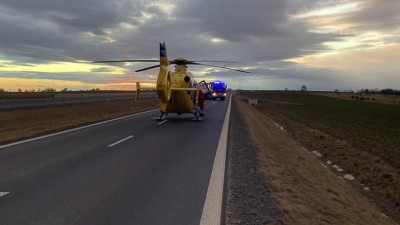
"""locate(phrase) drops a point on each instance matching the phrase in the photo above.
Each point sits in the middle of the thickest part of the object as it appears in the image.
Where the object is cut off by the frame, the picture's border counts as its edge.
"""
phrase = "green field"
(371, 126)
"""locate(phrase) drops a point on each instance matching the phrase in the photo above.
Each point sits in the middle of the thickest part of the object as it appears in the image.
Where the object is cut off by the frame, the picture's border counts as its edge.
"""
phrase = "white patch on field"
(349, 177)
(317, 153)
(366, 188)
(384, 215)
(279, 126)
(337, 168)
(329, 162)
(305, 149)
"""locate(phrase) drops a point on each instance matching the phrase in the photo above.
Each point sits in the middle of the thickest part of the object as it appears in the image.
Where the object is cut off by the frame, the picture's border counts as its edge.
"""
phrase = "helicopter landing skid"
(162, 117)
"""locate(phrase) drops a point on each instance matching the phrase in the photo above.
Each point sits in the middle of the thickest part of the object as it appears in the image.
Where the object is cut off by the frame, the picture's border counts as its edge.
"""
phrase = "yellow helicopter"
(178, 91)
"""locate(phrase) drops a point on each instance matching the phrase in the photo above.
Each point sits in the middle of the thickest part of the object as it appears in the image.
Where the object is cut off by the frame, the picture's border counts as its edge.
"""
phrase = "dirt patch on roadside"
(374, 178)
(307, 192)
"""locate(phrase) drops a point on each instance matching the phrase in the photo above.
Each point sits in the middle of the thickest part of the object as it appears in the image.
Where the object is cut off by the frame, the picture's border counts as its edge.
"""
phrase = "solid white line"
(4, 193)
(162, 122)
(120, 141)
(71, 130)
(212, 209)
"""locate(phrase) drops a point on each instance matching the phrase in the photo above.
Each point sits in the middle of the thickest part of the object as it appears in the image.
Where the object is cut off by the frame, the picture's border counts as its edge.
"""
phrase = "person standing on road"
(201, 102)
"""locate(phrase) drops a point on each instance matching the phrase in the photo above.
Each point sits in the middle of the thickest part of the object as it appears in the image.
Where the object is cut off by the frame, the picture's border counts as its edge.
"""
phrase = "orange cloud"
(14, 84)
(129, 83)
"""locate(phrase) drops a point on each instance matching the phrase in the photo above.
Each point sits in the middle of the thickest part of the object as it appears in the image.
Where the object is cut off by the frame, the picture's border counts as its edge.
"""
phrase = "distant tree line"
(389, 91)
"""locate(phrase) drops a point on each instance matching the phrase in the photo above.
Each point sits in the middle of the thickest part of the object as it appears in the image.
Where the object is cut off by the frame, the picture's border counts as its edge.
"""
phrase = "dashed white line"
(4, 193)
(162, 122)
(120, 141)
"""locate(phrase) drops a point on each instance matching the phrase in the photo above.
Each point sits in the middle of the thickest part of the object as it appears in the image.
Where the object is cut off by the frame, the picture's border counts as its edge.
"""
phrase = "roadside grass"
(18, 124)
(307, 192)
(361, 137)
(371, 126)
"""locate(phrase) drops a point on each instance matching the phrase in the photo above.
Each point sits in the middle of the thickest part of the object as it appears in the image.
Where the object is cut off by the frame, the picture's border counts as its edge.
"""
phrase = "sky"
(325, 45)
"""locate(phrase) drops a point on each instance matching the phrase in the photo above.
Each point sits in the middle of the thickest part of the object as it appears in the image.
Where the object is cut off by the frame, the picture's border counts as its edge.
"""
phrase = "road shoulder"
(306, 191)
(247, 198)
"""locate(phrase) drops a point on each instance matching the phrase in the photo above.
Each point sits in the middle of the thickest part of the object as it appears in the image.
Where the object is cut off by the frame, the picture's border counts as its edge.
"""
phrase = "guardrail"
(22, 100)
(6, 96)
(20, 96)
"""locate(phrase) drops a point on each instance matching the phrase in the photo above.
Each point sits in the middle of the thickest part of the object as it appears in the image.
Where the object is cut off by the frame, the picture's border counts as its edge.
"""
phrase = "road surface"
(133, 170)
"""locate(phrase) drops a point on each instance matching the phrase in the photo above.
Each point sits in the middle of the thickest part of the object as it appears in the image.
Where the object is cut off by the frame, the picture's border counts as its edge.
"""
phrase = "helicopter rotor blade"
(184, 61)
(218, 61)
(176, 61)
(223, 67)
(147, 68)
(128, 60)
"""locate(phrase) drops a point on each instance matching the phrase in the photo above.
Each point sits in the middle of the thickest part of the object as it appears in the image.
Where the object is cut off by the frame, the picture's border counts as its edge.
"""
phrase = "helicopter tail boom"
(163, 88)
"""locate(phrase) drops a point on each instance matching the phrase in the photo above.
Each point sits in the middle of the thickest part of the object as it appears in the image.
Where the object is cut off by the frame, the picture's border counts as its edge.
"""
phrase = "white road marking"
(120, 141)
(4, 193)
(212, 209)
(162, 122)
(71, 130)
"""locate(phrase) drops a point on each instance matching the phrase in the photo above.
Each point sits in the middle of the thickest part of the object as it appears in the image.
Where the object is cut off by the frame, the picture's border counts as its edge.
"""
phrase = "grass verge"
(18, 124)
(360, 137)
(307, 192)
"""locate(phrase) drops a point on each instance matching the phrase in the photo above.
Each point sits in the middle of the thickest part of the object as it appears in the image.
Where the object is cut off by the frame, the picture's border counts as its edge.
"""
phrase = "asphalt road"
(130, 171)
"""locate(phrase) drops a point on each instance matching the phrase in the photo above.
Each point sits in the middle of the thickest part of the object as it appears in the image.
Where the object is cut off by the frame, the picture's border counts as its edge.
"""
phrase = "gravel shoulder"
(248, 196)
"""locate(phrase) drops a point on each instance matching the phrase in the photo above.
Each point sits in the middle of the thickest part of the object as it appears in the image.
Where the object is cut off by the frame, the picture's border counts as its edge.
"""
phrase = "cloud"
(376, 15)
(259, 34)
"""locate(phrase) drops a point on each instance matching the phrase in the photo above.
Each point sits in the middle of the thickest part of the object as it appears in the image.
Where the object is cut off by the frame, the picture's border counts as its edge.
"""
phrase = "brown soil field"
(27, 123)
(308, 189)
(378, 98)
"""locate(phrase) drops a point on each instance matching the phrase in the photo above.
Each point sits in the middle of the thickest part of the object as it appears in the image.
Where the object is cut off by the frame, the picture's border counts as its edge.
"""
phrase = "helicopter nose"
(186, 79)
